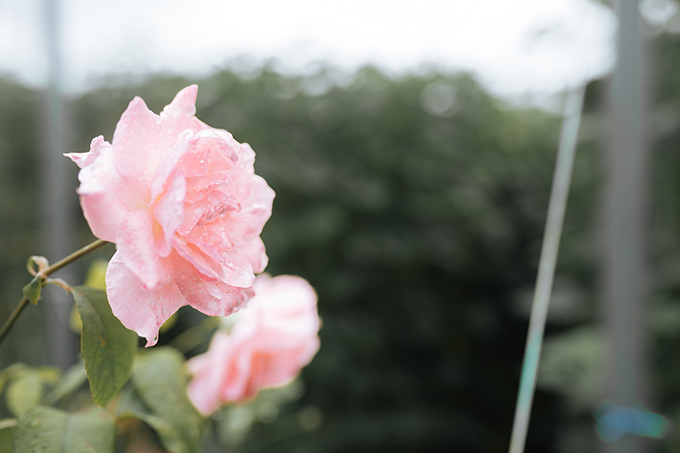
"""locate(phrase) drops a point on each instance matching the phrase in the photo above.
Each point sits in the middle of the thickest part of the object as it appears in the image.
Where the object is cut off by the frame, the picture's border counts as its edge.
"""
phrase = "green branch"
(43, 274)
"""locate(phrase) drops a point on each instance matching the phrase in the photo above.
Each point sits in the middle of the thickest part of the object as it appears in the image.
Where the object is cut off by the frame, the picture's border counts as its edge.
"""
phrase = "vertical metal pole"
(57, 225)
(625, 220)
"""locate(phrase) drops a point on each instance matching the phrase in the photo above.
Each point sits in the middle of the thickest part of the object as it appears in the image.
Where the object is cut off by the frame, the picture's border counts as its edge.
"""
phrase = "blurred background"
(411, 147)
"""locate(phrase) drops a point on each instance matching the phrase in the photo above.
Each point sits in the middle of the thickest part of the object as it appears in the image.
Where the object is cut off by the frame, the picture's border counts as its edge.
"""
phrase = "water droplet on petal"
(215, 292)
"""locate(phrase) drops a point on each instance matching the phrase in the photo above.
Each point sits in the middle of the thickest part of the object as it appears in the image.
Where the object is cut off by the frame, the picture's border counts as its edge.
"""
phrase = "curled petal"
(86, 159)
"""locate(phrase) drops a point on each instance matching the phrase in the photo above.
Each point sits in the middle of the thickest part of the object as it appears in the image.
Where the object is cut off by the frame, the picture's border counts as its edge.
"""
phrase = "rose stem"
(51, 269)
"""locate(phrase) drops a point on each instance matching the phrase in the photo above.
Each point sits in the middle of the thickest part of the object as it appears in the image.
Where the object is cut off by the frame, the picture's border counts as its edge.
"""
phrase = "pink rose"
(273, 338)
(185, 209)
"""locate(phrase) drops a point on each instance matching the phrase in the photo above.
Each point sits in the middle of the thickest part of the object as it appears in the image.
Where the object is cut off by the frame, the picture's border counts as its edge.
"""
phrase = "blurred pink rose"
(273, 338)
(185, 209)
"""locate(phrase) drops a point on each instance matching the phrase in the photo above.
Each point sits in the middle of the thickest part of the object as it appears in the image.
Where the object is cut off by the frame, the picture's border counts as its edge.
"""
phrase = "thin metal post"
(546, 269)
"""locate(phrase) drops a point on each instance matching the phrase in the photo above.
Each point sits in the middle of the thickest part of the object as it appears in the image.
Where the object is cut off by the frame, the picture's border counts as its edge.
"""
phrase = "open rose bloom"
(185, 209)
(272, 339)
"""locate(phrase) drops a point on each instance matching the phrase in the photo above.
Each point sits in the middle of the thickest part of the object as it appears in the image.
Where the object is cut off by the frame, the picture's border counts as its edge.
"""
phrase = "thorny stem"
(44, 273)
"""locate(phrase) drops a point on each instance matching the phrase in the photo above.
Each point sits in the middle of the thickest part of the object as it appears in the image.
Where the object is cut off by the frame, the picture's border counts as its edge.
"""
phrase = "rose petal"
(136, 140)
(86, 159)
(178, 116)
(255, 210)
(102, 193)
(168, 166)
(279, 367)
(237, 270)
(205, 268)
(204, 388)
(222, 150)
(204, 185)
(256, 254)
(214, 298)
(137, 248)
(169, 212)
(139, 309)
(239, 374)
(208, 208)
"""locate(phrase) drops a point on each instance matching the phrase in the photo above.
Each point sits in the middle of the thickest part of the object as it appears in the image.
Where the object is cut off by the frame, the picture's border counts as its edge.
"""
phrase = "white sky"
(517, 46)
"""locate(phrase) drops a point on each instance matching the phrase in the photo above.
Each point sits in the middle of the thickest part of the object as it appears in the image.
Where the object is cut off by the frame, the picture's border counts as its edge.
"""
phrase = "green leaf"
(47, 430)
(32, 290)
(24, 392)
(160, 383)
(93, 431)
(108, 347)
(40, 430)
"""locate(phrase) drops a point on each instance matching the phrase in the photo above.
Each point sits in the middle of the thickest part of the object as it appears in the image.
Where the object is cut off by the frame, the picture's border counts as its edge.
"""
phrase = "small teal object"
(614, 422)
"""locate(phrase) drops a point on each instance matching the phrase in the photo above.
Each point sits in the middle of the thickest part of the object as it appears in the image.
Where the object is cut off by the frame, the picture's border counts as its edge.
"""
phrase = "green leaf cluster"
(156, 394)
(158, 397)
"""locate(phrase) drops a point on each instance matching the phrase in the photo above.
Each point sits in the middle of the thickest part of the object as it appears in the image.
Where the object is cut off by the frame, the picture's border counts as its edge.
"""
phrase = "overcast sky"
(513, 46)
